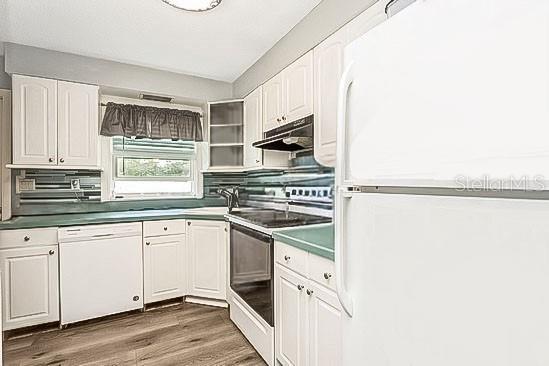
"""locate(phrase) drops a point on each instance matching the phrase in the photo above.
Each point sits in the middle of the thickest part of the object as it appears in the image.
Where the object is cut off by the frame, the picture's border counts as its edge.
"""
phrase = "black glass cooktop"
(277, 219)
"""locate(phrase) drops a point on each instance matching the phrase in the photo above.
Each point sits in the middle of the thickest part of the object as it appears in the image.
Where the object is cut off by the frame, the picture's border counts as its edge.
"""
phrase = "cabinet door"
(291, 328)
(30, 288)
(164, 267)
(298, 89)
(34, 121)
(272, 103)
(78, 124)
(253, 130)
(324, 327)
(328, 68)
(207, 259)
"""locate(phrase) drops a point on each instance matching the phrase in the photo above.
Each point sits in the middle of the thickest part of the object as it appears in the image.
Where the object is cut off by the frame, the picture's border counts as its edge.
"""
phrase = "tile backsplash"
(53, 193)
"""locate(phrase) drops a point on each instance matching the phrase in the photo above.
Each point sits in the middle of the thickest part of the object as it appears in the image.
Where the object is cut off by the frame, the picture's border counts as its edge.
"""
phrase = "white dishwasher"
(101, 270)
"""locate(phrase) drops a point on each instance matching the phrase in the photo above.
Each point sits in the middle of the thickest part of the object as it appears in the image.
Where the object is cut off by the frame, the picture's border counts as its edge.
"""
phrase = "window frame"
(194, 178)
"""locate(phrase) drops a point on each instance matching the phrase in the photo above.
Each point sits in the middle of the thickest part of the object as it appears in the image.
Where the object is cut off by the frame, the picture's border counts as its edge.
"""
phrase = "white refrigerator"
(442, 210)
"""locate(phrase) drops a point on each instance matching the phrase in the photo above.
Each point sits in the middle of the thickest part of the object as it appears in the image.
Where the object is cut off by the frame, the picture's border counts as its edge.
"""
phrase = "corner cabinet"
(207, 244)
(55, 123)
(307, 311)
(226, 134)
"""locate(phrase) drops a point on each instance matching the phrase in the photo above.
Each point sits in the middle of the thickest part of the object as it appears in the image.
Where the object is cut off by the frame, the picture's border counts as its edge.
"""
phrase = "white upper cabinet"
(78, 124)
(272, 103)
(55, 123)
(298, 89)
(253, 130)
(289, 95)
(328, 68)
(34, 121)
(207, 258)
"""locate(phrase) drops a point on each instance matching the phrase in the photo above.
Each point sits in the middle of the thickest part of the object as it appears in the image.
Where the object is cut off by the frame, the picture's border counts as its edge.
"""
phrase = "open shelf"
(226, 134)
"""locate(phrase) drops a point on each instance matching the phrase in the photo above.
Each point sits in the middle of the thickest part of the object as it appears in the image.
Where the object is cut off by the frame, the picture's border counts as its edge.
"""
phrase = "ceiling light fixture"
(193, 5)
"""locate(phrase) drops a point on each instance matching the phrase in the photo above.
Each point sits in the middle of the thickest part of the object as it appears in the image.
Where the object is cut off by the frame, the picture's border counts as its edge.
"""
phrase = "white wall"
(5, 79)
(35, 61)
(322, 21)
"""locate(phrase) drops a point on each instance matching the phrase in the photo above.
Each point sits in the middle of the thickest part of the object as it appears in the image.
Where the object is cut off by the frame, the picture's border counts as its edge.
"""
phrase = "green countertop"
(316, 239)
(25, 222)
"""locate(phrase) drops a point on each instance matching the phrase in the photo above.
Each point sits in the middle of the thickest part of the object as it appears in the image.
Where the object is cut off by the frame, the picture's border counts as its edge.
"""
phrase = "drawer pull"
(148, 243)
(310, 292)
(51, 252)
(165, 228)
(300, 287)
(286, 258)
(327, 275)
(26, 238)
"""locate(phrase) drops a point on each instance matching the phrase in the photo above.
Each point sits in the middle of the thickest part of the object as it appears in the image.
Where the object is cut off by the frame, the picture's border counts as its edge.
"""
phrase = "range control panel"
(315, 194)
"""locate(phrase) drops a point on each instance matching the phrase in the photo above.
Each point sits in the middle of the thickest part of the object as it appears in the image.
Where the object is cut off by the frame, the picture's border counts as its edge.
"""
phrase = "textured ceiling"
(220, 44)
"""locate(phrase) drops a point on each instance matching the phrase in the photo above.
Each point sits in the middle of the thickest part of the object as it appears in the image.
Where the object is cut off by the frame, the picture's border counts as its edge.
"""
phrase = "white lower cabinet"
(291, 317)
(164, 267)
(207, 259)
(30, 288)
(307, 314)
(324, 327)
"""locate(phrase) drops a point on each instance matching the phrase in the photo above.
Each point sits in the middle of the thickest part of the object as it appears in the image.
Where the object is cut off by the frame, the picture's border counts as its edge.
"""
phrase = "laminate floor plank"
(185, 334)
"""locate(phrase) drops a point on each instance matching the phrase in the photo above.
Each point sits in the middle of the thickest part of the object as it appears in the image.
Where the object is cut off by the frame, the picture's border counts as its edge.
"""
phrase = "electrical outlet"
(75, 184)
(24, 184)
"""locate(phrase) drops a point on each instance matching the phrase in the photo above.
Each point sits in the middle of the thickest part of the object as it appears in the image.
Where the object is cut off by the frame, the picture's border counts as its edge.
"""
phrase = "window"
(144, 168)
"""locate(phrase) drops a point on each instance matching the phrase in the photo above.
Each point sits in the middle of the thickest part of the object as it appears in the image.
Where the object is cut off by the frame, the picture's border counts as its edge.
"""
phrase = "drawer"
(291, 257)
(322, 271)
(27, 237)
(163, 227)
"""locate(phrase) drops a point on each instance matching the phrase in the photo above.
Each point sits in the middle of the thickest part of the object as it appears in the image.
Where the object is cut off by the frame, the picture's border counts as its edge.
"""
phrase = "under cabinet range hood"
(293, 136)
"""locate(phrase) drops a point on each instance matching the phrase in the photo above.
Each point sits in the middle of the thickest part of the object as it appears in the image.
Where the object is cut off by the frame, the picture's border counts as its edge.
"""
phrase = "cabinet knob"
(300, 287)
(136, 298)
(309, 292)
(165, 228)
(287, 258)
(61, 160)
(257, 160)
(147, 243)
(50, 160)
(278, 120)
(327, 275)
(283, 118)
(26, 238)
(189, 223)
(51, 252)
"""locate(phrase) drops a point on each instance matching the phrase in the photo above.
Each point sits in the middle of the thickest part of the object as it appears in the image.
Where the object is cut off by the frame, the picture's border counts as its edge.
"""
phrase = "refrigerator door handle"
(341, 194)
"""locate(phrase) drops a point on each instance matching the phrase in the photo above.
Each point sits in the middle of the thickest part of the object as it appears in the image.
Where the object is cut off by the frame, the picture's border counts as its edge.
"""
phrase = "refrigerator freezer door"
(449, 92)
(447, 281)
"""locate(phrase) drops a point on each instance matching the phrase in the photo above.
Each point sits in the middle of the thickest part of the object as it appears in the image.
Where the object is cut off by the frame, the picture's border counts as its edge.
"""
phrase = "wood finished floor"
(185, 334)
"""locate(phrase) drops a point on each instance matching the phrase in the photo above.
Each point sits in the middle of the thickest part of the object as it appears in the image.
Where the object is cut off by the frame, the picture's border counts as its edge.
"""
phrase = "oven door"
(252, 269)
